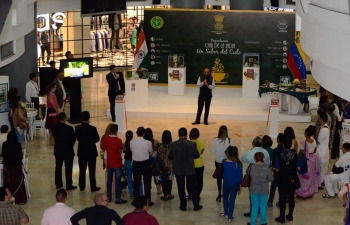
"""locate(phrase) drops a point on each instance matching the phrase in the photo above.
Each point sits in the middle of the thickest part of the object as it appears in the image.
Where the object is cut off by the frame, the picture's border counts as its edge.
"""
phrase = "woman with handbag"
(259, 188)
(166, 166)
(287, 164)
(308, 176)
(232, 174)
(218, 148)
(155, 168)
(20, 120)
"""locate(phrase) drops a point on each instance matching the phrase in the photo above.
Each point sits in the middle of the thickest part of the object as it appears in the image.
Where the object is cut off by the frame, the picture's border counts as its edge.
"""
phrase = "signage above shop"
(278, 9)
(45, 21)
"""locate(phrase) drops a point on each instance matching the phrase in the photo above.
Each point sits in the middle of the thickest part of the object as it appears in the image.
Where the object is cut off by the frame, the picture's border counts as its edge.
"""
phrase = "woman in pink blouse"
(52, 110)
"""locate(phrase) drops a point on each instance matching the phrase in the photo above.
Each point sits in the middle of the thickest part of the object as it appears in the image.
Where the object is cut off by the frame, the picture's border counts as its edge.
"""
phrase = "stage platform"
(226, 104)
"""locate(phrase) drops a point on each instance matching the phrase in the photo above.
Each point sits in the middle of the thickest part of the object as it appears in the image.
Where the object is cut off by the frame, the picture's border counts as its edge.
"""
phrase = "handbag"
(247, 179)
(303, 162)
(218, 173)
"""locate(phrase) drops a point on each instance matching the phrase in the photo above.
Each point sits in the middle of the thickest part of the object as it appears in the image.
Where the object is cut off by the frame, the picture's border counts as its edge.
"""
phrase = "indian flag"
(142, 58)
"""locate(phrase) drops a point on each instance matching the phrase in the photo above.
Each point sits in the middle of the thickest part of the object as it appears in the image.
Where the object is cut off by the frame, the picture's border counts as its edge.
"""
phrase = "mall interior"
(324, 28)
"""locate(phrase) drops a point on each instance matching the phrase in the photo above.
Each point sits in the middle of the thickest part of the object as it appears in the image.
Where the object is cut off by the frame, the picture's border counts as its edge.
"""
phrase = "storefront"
(109, 39)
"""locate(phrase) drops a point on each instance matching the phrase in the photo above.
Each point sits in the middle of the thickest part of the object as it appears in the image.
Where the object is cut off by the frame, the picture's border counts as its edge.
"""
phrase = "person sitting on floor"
(332, 179)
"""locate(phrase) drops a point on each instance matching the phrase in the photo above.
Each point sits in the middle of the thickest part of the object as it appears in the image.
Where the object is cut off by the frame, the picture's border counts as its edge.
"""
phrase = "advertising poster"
(218, 40)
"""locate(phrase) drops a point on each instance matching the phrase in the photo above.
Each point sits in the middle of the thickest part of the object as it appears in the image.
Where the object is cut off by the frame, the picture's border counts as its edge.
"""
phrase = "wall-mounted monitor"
(77, 68)
(95, 7)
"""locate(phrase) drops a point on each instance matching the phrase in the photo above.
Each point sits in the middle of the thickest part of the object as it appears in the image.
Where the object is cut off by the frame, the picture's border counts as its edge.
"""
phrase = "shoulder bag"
(303, 161)
(247, 179)
(219, 172)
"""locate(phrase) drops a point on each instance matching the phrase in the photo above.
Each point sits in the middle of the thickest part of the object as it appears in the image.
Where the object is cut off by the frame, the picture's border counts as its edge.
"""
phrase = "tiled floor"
(314, 211)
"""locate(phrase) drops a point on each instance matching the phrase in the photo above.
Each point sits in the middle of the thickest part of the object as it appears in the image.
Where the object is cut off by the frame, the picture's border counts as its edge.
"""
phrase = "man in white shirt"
(332, 179)
(141, 167)
(32, 90)
(60, 91)
(59, 214)
(322, 149)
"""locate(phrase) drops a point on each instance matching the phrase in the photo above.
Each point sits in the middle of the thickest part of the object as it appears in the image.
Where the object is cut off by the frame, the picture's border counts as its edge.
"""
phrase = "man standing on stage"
(205, 83)
(116, 86)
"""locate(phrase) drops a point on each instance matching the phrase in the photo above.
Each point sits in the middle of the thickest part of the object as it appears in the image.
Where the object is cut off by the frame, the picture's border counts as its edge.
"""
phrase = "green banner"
(218, 40)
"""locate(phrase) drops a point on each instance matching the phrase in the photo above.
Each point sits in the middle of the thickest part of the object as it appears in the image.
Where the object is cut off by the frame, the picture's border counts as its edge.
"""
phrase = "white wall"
(217, 2)
(325, 37)
(19, 22)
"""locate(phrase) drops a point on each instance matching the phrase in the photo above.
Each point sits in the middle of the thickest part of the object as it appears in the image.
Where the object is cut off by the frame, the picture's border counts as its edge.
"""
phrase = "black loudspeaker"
(46, 76)
(156, 2)
(275, 3)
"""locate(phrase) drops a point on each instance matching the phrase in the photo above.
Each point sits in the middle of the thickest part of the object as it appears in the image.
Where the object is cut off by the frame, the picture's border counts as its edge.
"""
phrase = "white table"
(136, 93)
(31, 114)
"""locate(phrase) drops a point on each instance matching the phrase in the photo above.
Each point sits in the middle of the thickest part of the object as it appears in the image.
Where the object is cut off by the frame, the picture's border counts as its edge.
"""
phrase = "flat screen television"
(77, 68)
(104, 7)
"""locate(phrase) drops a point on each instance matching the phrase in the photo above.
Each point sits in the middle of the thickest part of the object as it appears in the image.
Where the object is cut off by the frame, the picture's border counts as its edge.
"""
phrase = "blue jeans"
(20, 136)
(128, 170)
(118, 179)
(259, 202)
(229, 197)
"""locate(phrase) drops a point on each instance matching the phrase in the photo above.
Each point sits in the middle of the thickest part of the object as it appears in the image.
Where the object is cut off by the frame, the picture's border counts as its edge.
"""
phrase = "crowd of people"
(294, 168)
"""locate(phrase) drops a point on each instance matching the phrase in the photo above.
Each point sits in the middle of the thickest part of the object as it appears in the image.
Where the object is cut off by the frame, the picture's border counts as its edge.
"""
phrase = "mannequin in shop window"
(115, 24)
(44, 42)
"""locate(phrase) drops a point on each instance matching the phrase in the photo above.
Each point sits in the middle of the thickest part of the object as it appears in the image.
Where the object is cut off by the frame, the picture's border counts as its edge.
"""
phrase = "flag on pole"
(296, 63)
(141, 56)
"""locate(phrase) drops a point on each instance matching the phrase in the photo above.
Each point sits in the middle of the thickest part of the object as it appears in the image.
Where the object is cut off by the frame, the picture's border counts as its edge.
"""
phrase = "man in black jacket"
(64, 152)
(278, 150)
(116, 86)
(87, 136)
(183, 152)
(206, 84)
(98, 214)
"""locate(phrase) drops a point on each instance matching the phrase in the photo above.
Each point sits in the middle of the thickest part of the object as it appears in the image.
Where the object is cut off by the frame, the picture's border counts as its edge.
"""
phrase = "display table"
(120, 115)
(31, 114)
(136, 93)
(302, 96)
(250, 82)
(176, 81)
(295, 99)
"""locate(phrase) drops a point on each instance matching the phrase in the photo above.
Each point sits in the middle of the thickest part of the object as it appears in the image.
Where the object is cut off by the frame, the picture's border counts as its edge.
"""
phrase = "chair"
(24, 151)
(40, 124)
(346, 132)
(30, 105)
(25, 173)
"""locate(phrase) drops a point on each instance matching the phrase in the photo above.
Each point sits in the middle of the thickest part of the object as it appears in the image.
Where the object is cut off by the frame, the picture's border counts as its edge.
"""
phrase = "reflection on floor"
(314, 211)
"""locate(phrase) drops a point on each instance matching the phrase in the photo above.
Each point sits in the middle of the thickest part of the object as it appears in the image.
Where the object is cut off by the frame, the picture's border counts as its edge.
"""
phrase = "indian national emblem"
(219, 19)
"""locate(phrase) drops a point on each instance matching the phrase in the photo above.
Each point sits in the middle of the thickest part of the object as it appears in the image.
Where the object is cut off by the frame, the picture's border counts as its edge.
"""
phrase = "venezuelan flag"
(296, 63)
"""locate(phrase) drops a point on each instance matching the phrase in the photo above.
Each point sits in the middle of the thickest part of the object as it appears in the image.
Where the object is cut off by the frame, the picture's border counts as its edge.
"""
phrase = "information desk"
(136, 93)
(295, 99)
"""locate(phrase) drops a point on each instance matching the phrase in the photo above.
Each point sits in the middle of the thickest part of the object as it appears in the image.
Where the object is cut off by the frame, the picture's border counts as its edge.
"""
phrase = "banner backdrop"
(218, 40)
